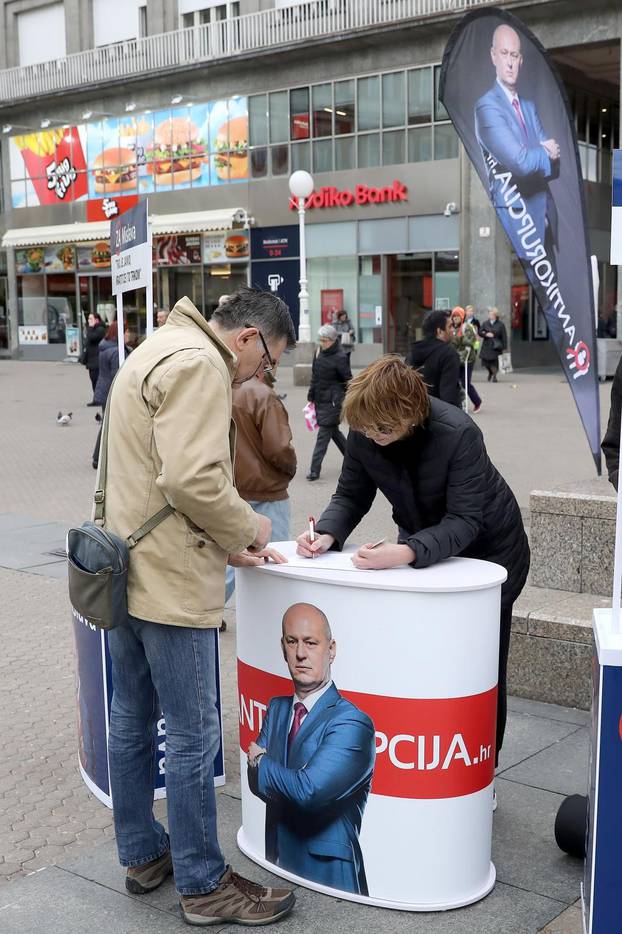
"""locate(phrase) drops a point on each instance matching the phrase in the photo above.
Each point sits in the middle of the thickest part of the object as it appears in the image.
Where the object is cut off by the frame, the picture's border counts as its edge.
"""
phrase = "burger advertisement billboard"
(181, 147)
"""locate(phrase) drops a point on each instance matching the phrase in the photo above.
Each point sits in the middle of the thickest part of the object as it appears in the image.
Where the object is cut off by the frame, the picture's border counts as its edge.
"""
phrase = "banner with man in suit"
(509, 108)
(316, 751)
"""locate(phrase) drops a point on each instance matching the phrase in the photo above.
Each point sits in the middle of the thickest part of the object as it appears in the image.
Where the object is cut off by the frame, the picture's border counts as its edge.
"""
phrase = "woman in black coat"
(329, 377)
(430, 461)
(94, 335)
(495, 343)
(108, 366)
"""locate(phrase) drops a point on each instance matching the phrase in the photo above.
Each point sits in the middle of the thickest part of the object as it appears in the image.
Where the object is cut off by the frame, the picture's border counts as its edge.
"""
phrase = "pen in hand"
(311, 529)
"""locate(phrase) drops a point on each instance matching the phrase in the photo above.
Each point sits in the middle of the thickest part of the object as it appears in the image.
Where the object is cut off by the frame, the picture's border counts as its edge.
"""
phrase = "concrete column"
(12, 303)
(162, 16)
(485, 261)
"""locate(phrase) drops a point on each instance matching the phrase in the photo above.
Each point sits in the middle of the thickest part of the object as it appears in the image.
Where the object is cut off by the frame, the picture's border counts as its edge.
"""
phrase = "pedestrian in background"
(469, 317)
(495, 342)
(108, 367)
(344, 329)
(611, 441)
(436, 359)
(330, 375)
(161, 316)
(93, 336)
(265, 459)
(466, 340)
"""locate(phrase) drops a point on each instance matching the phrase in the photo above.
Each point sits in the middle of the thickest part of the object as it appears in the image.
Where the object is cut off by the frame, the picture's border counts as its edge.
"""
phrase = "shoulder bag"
(98, 560)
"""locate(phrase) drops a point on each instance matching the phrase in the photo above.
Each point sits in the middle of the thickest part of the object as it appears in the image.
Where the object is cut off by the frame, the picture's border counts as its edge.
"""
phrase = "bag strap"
(99, 496)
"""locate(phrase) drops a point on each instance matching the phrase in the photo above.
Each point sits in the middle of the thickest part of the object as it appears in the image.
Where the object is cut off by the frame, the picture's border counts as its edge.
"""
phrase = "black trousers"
(517, 575)
(324, 436)
(94, 374)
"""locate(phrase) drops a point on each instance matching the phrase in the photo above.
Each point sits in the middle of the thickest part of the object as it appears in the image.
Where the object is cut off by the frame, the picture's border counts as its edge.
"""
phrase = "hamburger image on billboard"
(114, 170)
(236, 246)
(231, 149)
(178, 152)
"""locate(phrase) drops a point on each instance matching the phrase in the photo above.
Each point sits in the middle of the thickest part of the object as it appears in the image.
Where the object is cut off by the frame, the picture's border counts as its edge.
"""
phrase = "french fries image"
(41, 144)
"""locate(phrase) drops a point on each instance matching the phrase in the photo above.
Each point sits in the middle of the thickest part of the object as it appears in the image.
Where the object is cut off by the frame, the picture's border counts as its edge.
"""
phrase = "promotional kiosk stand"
(417, 653)
(601, 886)
(94, 688)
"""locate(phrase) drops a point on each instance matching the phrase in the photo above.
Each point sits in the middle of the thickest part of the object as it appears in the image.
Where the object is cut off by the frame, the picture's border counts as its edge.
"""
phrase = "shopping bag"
(310, 416)
(505, 362)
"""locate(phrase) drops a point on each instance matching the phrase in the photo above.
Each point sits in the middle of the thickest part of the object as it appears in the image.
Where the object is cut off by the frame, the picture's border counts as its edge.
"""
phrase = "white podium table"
(417, 651)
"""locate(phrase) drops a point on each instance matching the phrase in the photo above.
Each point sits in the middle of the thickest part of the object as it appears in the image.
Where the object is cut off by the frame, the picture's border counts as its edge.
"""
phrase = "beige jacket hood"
(171, 440)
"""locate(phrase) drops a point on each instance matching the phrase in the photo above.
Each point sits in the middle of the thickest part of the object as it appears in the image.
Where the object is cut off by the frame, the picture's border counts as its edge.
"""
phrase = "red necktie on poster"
(516, 107)
(300, 712)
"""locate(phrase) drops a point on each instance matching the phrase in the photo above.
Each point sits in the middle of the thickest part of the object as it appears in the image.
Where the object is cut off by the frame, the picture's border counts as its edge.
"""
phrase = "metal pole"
(304, 330)
(120, 329)
(149, 288)
(465, 401)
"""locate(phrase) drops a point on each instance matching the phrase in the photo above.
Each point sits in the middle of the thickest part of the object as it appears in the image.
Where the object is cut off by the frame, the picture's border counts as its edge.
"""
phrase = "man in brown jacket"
(171, 441)
(265, 459)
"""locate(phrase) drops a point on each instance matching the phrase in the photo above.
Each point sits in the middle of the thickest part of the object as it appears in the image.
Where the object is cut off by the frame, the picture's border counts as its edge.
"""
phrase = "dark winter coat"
(493, 346)
(611, 441)
(92, 340)
(448, 499)
(438, 363)
(330, 375)
(108, 366)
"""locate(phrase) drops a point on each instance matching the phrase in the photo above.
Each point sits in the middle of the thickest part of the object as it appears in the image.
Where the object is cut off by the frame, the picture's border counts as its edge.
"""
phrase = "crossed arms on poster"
(313, 769)
(508, 126)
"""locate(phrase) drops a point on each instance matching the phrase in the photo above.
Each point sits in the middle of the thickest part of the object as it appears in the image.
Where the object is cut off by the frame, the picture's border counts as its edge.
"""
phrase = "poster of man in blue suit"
(513, 139)
(312, 763)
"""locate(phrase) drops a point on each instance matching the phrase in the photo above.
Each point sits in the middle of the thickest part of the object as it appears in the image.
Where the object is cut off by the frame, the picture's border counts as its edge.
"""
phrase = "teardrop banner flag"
(509, 108)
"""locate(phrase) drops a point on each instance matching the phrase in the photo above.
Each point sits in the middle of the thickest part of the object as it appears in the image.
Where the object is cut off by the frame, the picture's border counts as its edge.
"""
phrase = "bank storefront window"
(403, 104)
(329, 276)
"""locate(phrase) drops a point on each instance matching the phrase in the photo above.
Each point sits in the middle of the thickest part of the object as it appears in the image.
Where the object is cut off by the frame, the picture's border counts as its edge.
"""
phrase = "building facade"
(207, 107)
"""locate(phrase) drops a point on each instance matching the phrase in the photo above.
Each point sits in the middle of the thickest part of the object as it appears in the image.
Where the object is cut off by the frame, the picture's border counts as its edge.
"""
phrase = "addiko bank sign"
(332, 197)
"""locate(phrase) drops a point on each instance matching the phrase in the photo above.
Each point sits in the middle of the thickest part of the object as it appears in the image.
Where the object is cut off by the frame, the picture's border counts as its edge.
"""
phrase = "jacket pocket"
(332, 848)
(204, 574)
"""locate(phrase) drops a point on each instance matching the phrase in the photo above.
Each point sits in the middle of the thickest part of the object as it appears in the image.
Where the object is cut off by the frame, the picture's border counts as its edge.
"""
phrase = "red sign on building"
(104, 209)
(331, 197)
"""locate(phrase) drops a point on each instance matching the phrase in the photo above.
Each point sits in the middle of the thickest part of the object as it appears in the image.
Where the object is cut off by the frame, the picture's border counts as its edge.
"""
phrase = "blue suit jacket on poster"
(315, 801)
(500, 134)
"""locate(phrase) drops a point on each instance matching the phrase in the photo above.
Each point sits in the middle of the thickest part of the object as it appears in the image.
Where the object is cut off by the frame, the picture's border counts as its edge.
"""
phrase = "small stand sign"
(131, 260)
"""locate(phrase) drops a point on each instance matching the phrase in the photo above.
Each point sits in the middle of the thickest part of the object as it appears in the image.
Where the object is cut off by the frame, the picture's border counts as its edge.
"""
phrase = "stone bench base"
(552, 646)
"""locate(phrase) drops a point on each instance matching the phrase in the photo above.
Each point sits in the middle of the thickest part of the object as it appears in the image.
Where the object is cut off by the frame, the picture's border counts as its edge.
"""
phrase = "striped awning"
(192, 222)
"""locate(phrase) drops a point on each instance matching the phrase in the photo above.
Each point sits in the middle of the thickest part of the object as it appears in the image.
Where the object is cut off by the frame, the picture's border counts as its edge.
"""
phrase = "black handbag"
(98, 560)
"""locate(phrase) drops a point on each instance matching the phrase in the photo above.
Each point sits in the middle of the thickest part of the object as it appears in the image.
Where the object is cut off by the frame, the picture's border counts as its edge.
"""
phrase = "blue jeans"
(279, 513)
(172, 668)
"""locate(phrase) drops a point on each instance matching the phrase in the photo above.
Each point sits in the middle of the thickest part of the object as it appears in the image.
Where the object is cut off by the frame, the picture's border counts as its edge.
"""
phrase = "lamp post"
(301, 186)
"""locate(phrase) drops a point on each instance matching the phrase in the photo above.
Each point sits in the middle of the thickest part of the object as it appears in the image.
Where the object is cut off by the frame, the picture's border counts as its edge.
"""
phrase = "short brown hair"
(388, 392)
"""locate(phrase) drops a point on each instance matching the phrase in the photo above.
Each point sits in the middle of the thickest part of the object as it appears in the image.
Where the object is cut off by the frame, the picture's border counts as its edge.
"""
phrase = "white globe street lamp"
(301, 186)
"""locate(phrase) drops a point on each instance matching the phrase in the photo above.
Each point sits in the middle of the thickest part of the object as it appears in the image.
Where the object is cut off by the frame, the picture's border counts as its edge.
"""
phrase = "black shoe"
(494, 379)
(489, 377)
(98, 417)
(91, 404)
(95, 465)
(313, 476)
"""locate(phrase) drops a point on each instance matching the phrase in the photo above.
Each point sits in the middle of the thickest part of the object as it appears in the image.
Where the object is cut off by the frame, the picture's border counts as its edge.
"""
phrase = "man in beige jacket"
(171, 440)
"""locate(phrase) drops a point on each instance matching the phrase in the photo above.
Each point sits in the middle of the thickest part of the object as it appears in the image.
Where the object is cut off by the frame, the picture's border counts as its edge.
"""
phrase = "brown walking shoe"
(239, 901)
(146, 878)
